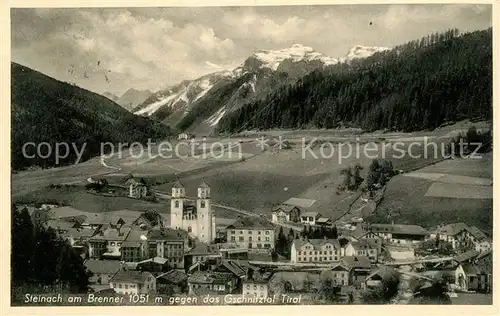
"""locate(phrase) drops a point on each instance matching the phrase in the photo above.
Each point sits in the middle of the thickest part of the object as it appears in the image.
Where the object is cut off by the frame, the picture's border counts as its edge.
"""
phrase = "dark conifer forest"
(47, 110)
(442, 78)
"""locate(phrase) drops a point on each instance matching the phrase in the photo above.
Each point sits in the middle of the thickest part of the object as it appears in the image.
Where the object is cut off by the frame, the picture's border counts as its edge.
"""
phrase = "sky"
(114, 49)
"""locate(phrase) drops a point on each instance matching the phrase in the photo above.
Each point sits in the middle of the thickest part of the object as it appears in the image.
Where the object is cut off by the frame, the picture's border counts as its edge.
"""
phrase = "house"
(185, 136)
(466, 257)
(207, 282)
(233, 251)
(133, 282)
(398, 233)
(484, 262)
(380, 276)
(78, 237)
(297, 281)
(171, 282)
(362, 247)
(107, 242)
(449, 233)
(256, 232)
(360, 267)
(309, 218)
(169, 244)
(324, 221)
(137, 189)
(315, 250)
(134, 248)
(154, 265)
(59, 225)
(102, 270)
(286, 213)
(473, 277)
(200, 253)
(472, 237)
(256, 287)
(340, 274)
(372, 238)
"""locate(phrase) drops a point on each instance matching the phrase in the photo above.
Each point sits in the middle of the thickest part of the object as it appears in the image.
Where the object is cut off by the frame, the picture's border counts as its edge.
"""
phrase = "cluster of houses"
(130, 252)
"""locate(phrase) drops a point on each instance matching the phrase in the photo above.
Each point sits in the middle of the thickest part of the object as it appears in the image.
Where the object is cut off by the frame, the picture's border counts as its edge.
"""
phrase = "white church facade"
(196, 217)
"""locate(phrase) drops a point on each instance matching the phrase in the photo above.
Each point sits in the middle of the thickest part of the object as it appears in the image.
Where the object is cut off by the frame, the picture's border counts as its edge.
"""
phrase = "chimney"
(325, 238)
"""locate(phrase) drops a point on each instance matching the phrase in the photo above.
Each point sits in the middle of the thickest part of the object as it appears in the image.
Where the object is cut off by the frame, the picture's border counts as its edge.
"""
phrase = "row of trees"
(42, 261)
(437, 79)
(379, 172)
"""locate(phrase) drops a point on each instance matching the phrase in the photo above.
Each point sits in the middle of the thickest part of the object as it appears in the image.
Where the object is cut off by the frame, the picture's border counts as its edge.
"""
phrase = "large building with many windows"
(315, 250)
(253, 232)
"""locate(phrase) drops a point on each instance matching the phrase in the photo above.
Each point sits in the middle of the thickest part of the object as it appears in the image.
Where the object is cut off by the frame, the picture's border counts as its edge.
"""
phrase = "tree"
(327, 290)
(42, 258)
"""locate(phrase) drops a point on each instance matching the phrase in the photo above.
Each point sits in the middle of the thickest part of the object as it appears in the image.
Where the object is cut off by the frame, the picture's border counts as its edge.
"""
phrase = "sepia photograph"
(251, 155)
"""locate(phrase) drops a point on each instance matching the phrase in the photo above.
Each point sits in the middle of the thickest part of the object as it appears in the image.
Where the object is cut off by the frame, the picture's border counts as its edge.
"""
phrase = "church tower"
(177, 204)
(204, 209)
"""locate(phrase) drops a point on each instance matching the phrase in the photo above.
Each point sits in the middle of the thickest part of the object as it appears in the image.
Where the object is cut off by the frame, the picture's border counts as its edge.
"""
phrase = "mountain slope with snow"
(209, 98)
(132, 98)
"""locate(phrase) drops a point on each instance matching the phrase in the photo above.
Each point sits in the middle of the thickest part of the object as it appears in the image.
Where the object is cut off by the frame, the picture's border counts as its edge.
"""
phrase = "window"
(255, 287)
(250, 238)
(233, 232)
(233, 238)
(241, 232)
(299, 253)
(259, 232)
(248, 286)
(202, 204)
(267, 238)
(176, 203)
(120, 285)
(267, 232)
(262, 287)
(258, 238)
(241, 238)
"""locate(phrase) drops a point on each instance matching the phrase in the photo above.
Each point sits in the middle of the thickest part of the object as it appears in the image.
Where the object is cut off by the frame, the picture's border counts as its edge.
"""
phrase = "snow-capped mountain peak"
(359, 52)
(272, 58)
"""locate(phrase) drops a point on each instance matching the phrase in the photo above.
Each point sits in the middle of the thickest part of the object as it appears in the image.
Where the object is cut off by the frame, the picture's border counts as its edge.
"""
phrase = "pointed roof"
(178, 185)
(204, 185)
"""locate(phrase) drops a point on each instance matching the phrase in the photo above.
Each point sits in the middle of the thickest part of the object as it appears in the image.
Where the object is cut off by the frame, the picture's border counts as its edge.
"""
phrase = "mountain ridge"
(266, 69)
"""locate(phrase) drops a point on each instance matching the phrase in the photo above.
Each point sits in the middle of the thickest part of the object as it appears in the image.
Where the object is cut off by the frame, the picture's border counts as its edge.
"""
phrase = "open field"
(263, 179)
(411, 200)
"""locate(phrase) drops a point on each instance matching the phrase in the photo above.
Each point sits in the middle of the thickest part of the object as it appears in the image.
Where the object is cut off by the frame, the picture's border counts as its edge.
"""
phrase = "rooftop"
(316, 243)
(287, 208)
(452, 229)
(59, 224)
(178, 185)
(203, 249)
(357, 262)
(102, 266)
(173, 276)
(477, 233)
(131, 276)
(313, 214)
(468, 255)
(210, 277)
(250, 223)
(112, 234)
(204, 185)
(399, 229)
(167, 234)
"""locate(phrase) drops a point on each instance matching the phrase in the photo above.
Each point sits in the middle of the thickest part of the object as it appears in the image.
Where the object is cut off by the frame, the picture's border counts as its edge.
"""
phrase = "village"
(185, 254)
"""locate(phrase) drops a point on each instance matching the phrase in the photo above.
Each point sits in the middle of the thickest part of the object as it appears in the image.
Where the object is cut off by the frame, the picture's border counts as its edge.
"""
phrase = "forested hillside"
(48, 110)
(420, 85)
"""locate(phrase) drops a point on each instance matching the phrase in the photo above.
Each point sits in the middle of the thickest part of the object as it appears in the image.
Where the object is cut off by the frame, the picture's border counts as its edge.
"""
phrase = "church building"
(196, 217)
